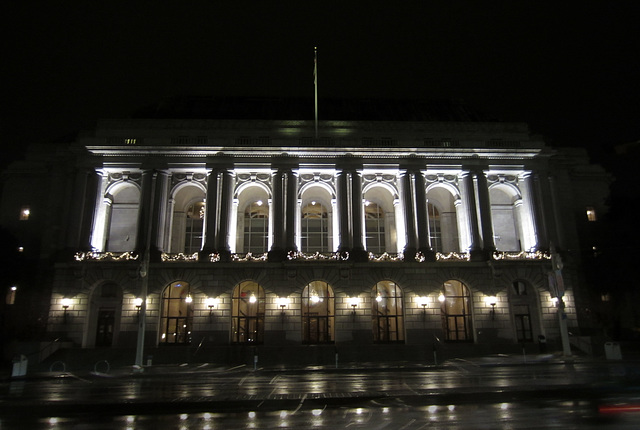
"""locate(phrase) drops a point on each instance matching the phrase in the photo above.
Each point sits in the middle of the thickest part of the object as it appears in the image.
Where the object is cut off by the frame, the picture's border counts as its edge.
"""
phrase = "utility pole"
(556, 284)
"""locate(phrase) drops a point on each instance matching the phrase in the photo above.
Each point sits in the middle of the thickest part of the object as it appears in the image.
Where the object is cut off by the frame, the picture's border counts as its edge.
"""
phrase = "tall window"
(317, 313)
(177, 314)
(456, 312)
(123, 217)
(374, 227)
(435, 229)
(315, 228)
(388, 321)
(194, 226)
(247, 315)
(522, 318)
(256, 227)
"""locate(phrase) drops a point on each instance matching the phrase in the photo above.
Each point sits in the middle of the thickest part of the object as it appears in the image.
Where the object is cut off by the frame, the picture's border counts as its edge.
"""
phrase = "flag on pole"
(315, 84)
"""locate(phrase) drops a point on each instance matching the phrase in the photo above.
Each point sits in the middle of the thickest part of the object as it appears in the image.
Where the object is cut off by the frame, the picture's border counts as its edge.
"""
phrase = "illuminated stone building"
(376, 239)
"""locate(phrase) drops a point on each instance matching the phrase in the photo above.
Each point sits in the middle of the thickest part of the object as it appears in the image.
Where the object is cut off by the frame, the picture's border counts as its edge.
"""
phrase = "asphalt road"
(461, 394)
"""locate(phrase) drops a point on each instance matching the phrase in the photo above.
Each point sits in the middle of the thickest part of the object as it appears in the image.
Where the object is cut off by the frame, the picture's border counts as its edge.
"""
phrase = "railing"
(522, 255)
(166, 257)
(106, 256)
(317, 256)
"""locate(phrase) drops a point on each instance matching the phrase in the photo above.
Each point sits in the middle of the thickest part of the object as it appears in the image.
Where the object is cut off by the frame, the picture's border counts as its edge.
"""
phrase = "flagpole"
(315, 84)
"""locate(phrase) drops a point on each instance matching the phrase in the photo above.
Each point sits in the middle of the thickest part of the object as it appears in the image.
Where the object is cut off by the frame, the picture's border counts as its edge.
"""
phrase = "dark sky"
(571, 71)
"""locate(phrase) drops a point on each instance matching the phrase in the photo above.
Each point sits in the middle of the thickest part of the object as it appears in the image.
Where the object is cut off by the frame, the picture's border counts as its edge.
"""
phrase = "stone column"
(291, 203)
(277, 181)
(422, 219)
(357, 211)
(91, 203)
(401, 234)
(542, 191)
(169, 242)
(162, 198)
(531, 215)
(211, 211)
(411, 247)
(145, 210)
(488, 244)
(226, 217)
(468, 194)
(344, 214)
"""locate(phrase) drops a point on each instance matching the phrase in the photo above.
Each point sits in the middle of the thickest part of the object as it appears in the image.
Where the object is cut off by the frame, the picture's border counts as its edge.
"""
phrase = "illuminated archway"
(456, 312)
(176, 318)
(318, 310)
(247, 314)
(387, 312)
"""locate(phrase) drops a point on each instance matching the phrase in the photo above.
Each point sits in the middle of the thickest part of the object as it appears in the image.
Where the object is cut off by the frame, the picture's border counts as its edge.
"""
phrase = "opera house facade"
(401, 238)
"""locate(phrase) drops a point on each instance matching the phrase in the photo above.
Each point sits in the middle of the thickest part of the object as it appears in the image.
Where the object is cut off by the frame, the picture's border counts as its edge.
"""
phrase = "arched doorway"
(105, 310)
(177, 314)
(387, 312)
(247, 315)
(456, 312)
(524, 308)
(318, 311)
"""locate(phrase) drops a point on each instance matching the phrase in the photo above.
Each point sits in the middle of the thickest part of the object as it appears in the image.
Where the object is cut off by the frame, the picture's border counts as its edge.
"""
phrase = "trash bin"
(612, 351)
(20, 363)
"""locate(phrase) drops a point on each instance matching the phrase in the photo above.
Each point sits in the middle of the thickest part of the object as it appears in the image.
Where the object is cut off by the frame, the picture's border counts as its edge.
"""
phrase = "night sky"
(571, 71)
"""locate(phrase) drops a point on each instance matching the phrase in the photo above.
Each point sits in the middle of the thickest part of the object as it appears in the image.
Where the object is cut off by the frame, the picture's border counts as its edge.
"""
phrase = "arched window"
(256, 227)
(247, 315)
(315, 228)
(456, 312)
(374, 228)
(317, 313)
(442, 221)
(123, 219)
(387, 313)
(504, 219)
(435, 230)
(187, 219)
(193, 228)
(177, 314)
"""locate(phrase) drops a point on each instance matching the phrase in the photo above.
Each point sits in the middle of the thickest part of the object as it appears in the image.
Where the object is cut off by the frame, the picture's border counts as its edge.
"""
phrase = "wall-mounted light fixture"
(65, 305)
(492, 301)
(252, 298)
(282, 302)
(555, 301)
(138, 302)
(211, 303)
(423, 301)
(441, 298)
(353, 301)
(188, 299)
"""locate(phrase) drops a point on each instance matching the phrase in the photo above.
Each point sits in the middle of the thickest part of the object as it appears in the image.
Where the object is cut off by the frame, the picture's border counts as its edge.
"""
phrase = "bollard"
(336, 360)
(255, 362)
(149, 360)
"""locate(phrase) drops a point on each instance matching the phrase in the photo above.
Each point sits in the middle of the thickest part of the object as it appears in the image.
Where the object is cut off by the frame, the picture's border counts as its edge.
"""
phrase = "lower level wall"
(420, 283)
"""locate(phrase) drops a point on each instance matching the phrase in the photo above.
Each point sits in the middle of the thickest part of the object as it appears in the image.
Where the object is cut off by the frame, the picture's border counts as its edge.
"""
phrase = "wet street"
(461, 394)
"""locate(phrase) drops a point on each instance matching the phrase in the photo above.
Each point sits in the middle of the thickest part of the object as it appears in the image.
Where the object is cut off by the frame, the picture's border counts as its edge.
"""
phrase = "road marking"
(407, 424)
(300, 404)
